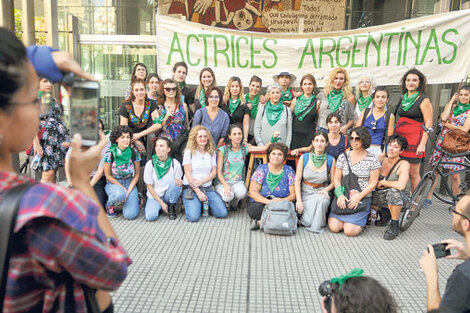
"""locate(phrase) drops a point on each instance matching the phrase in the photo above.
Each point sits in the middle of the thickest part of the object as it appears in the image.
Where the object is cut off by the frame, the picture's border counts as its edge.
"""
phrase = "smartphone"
(84, 110)
(440, 250)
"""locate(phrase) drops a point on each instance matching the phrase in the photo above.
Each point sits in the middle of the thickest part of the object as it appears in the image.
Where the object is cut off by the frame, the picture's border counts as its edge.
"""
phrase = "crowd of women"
(336, 135)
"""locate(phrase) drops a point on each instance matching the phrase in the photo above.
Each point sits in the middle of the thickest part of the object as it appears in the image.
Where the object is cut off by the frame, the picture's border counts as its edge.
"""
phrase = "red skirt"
(412, 131)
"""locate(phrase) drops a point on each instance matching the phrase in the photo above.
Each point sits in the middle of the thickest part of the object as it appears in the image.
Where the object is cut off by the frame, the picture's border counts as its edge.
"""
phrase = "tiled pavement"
(220, 266)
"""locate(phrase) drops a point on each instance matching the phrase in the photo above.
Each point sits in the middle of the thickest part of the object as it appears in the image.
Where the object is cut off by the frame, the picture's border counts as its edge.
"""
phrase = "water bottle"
(205, 209)
(35, 161)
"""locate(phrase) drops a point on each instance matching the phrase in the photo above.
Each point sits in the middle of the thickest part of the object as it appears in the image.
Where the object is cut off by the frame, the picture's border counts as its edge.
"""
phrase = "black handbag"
(8, 214)
(351, 185)
(179, 144)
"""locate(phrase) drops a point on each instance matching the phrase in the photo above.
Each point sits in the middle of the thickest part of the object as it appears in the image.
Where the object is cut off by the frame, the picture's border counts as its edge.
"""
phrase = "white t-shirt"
(201, 165)
(161, 185)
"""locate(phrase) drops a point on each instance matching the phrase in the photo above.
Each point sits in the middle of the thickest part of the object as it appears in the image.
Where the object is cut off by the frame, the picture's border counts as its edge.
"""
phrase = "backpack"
(329, 163)
(243, 149)
(279, 218)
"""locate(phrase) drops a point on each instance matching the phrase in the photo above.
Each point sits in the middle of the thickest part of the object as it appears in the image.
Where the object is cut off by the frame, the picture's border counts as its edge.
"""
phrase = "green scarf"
(317, 160)
(357, 272)
(363, 103)
(286, 95)
(160, 167)
(274, 140)
(334, 99)
(202, 97)
(301, 104)
(182, 85)
(233, 105)
(159, 120)
(121, 157)
(407, 102)
(461, 108)
(273, 112)
(273, 180)
(254, 105)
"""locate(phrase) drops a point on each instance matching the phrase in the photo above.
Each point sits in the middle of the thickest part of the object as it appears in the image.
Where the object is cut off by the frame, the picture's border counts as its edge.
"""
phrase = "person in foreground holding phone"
(55, 226)
(456, 297)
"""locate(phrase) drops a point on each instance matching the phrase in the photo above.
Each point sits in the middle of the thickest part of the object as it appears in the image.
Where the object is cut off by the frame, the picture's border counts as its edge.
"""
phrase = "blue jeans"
(193, 208)
(117, 194)
(152, 208)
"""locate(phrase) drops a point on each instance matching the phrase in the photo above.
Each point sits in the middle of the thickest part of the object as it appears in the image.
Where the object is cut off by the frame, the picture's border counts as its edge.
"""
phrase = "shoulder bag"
(455, 140)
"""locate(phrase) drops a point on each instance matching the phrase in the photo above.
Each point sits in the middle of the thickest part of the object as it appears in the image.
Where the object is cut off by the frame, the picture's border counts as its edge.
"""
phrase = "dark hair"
(400, 140)
(101, 123)
(178, 64)
(465, 87)
(255, 78)
(277, 146)
(166, 139)
(363, 133)
(221, 95)
(320, 133)
(118, 131)
(422, 80)
(152, 75)
(135, 68)
(134, 82)
(331, 115)
(363, 294)
(161, 92)
(229, 132)
(309, 77)
(13, 61)
(380, 88)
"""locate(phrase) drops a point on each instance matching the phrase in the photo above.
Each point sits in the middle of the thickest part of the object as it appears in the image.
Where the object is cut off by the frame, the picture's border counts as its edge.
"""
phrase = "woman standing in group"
(50, 147)
(273, 117)
(206, 81)
(304, 109)
(137, 112)
(199, 164)
(138, 72)
(313, 184)
(212, 117)
(238, 112)
(153, 84)
(180, 71)
(414, 110)
(364, 91)
(367, 169)
(376, 120)
(337, 97)
(285, 79)
(252, 101)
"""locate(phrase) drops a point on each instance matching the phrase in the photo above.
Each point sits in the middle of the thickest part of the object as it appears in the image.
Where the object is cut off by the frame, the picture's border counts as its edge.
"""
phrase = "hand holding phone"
(440, 250)
(84, 111)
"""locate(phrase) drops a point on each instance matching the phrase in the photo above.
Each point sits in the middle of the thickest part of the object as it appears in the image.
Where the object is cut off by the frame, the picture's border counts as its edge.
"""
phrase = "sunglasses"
(170, 89)
(453, 210)
(352, 138)
(374, 126)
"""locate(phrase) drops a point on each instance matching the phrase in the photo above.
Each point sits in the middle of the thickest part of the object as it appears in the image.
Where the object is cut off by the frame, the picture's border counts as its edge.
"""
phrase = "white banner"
(438, 45)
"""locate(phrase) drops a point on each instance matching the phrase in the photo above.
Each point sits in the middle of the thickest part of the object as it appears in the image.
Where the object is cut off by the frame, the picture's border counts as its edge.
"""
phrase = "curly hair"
(363, 133)
(347, 89)
(134, 82)
(277, 146)
(227, 94)
(118, 131)
(400, 140)
(214, 82)
(362, 294)
(208, 93)
(422, 80)
(192, 143)
(161, 91)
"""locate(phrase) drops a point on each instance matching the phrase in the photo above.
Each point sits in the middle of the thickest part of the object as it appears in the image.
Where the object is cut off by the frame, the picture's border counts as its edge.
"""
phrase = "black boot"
(171, 211)
(392, 231)
(384, 217)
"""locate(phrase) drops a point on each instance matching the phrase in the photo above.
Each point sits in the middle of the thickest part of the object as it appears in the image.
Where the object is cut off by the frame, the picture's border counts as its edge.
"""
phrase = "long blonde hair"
(192, 144)
(214, 82)
(227, 94)
(347, 89)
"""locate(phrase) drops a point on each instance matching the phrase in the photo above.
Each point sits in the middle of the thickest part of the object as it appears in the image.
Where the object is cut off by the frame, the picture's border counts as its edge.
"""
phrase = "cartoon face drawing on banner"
(243, 19)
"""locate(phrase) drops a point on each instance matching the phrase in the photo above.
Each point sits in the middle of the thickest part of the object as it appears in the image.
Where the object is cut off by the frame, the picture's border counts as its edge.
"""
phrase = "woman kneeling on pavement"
(271, 182)
(366, 167)
(122, 170)
(313, 184)
(199, 162)
(162, 175)
(394, 174)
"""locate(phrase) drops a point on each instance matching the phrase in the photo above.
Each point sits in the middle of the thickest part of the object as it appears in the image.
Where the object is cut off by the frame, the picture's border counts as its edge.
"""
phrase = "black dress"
(303, 131)
(237, 116)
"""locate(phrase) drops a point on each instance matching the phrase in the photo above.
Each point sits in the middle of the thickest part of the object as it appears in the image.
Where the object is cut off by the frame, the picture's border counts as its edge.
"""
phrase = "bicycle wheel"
(416, 202)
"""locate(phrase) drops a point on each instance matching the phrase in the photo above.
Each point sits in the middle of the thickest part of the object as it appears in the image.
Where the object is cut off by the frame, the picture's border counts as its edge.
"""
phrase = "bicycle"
(412, 207)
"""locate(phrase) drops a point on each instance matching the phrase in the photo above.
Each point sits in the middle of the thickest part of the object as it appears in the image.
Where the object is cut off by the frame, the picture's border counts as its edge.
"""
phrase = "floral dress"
(282, 190)
(176, 125)
(55, 133)
(458, 120)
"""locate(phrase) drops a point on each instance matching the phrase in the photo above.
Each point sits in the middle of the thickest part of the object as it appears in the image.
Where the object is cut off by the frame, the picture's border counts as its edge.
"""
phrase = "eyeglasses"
(374, 125)
(453, 210)
(36, 102)
(351, 138)
(214, 97)
(364, 82)
(170, 89)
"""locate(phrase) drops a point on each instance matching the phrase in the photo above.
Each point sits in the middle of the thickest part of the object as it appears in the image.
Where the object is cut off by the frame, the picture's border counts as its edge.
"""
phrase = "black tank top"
(415, 111)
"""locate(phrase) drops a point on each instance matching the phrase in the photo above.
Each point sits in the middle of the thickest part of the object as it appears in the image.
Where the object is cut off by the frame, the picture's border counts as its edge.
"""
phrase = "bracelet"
(339, 191)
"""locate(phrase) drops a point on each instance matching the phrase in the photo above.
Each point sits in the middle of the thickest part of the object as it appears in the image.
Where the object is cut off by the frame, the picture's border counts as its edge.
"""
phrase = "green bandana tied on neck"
(363, 103)
(301, 104)
(233, 105)
(273, 180)
(121, 157)
(274, 140)
(461, 108)
(334, 100)
(407, 102)
(160, 167)
(273, 112)
(317, 160)
(357, 272)
(286, 95)
(202, 97)
(254, 105)
(182, 85)
(159, 120)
